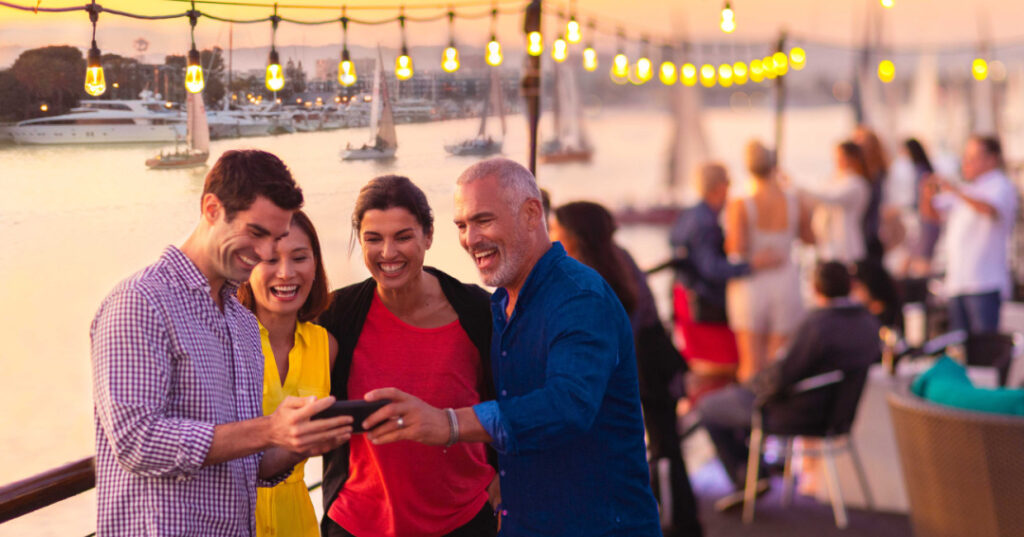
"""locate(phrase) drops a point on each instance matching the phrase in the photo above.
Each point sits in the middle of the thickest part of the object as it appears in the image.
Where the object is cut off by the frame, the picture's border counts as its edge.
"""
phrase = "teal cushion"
(946, 383)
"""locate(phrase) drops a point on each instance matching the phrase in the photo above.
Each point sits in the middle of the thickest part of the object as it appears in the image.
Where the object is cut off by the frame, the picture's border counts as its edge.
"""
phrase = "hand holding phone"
(357, 408)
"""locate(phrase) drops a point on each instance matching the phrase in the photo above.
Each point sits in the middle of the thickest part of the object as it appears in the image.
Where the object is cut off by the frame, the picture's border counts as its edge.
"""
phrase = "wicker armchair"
(964, 470)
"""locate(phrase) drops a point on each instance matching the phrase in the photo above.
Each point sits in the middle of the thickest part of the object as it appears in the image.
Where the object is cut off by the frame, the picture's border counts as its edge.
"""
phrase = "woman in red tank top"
(419, 330)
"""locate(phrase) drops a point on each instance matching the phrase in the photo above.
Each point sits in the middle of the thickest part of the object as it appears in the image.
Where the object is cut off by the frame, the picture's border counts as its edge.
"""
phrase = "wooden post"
(23, 497)
(531, 82)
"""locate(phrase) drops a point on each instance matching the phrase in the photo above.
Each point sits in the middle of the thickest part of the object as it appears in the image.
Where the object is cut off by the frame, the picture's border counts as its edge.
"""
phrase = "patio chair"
(963, 470)
(844, 390)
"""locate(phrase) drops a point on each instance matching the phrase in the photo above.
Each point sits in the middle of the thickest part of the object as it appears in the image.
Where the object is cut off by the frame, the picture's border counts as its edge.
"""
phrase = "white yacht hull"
(368, 153)
(96, 134)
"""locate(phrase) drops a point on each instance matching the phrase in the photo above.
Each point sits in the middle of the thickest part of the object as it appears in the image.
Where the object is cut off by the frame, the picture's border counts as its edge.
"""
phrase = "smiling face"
(394, 245)
(281, 283)
(236, 247)
(494, 233)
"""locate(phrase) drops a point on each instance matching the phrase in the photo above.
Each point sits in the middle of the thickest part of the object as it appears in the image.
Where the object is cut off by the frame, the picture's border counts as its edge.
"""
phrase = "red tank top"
(407, 489)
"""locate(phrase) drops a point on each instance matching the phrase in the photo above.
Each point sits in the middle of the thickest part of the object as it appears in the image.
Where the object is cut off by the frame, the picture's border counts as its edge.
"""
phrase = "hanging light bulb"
(493, 52)
(725, 75)
(620, 67)
(888, 3)
(275, 75)
(781, 62)
(450, 56)
(707, 75)
(768, 64)
(589, 59)
(534, 46)
(403, 63)
(979, 69)
(572, 31)
(559, 50)
(886, 71)
(797, 58)
(95, 82)
(728, 19)
(644, 70)
(739, 73)
(667, 73)
(688, 74)
(194, 73)
(346, 69)
(756, 71)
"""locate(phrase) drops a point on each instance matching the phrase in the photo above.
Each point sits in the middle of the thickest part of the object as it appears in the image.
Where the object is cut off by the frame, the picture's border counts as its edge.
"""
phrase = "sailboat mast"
(231, 54)
(531, 82)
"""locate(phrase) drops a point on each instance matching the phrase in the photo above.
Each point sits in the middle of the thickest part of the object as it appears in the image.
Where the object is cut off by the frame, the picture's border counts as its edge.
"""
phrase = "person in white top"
(838, 216)
(979, 216)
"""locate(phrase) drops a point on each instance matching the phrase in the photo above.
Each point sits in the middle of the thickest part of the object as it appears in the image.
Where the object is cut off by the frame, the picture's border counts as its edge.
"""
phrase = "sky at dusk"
(911, 23)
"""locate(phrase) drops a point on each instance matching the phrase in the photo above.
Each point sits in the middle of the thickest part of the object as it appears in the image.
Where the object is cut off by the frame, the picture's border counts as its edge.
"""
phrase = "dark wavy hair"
(240, 176)
(390, 191)
(319, 296)
(592, 226)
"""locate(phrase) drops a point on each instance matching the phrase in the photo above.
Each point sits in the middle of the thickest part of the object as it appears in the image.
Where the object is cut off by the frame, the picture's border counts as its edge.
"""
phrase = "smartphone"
(357, 408)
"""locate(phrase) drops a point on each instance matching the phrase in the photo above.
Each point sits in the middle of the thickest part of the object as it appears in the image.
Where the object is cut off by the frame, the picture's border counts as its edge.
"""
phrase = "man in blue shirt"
(567, 422)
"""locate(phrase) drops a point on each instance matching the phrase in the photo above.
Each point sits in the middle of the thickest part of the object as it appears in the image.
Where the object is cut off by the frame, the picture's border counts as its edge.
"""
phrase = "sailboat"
(570, 143)
(197, 139)
(483, 144)
(383, 142)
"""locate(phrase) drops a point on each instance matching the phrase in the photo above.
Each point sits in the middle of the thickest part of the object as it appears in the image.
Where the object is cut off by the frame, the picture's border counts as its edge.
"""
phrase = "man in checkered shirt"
(181, 442)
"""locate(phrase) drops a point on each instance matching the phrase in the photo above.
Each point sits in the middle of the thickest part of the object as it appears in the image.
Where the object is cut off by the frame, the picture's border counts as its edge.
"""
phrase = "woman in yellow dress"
(286, 292)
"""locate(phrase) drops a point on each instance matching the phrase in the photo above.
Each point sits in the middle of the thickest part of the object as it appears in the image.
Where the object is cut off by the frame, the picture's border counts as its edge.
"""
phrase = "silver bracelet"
(453, 425)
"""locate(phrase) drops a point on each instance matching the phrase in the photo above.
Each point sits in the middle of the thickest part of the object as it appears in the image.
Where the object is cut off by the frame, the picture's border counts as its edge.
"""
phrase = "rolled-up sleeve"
(131, 382)
(582, 353)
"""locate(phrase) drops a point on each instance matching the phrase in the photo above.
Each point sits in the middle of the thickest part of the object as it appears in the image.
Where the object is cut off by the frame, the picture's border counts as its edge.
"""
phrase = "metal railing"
(23, 497)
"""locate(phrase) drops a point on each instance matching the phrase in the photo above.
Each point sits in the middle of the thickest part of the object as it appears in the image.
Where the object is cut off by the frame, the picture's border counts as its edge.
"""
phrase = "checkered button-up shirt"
(168, 365)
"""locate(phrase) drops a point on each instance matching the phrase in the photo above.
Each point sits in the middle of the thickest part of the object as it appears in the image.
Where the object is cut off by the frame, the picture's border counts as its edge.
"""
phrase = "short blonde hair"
(760, 159)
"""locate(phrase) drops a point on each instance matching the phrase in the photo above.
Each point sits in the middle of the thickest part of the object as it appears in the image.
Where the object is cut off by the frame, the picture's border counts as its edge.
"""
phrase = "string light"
(756, 71)
(707, 75)
(572, 31)
(194, 72)
(403, 64)
(768, 64)
(739, 73)
(888, 3)
(728, 19)
(535, 44)
(559, 50)
(620, 64)
(493, 57)
(667, 71)
(781, 62)
(275, 75)
(589, 54)
(346, 69)
(644, 71)
(688, 74)
(797, 58)
(725, 75)
(886, 71)
(979, 69)
(450, 57)
(95, 82)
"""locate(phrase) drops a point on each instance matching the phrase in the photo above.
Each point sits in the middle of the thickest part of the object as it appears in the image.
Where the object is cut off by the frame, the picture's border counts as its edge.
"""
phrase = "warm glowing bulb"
(667, 73)
(979, 68)
(797, 58)
(756, 71)
(707, 75)
(589, 59)
(886, 71)
(725, 75)
(95, 82)
(43, 107)
(275, 75)
(688, 74)
(739, 73)
(559, 50)
(728, 19)
(888, 3)
(535, 46)
(347, 73)
(194, 73)
(572, 31)
(493, 53)
(450, 60)
(403, 67)
(781, 62)
(620, 66)
(644, 71)
(728, 26)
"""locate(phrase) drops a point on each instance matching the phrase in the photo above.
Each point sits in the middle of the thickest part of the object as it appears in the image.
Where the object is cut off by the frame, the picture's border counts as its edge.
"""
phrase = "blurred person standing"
(877, 171)
(979, 218)
(841, 203)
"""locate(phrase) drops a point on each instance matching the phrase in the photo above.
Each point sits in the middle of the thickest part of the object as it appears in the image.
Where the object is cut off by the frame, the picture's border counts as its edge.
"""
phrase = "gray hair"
(517, 183)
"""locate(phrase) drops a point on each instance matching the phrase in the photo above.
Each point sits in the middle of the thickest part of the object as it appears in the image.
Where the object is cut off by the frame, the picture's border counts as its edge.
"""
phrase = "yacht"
(105, 122)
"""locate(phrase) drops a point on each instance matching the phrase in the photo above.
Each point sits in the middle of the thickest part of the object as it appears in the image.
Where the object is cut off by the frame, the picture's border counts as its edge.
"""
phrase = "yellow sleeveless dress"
(286, 510)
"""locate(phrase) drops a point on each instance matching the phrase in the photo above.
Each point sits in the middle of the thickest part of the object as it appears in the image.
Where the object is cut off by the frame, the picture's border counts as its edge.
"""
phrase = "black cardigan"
(344, 320)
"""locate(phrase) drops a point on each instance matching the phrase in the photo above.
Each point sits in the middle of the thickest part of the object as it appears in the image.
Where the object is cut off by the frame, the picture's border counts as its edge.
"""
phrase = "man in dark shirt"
(839, 335)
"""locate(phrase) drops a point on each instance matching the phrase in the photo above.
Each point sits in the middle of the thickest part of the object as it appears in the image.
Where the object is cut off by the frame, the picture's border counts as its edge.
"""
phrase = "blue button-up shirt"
(567, 421)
